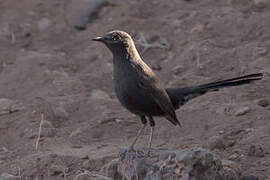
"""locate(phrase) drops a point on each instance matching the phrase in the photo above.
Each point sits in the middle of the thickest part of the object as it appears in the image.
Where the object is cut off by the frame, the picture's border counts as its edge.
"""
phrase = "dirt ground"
(61, 73)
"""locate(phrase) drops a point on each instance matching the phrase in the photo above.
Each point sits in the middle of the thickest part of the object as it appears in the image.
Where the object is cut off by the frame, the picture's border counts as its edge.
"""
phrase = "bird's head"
(116, 41)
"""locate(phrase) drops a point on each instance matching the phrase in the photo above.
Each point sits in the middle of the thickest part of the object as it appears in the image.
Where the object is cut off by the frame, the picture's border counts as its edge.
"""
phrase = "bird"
(140, 91)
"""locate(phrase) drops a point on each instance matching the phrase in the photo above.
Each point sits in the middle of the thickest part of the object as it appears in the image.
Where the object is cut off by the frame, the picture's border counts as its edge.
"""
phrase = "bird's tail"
(180, 96)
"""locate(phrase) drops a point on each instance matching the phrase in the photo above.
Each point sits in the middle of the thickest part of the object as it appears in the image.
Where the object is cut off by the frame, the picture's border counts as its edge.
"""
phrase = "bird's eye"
(115, 38)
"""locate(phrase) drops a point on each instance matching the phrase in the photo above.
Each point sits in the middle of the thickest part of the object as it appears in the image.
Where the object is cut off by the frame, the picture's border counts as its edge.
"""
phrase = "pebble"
(60, 112)
(82, 176)
(99, 94)
(91, 164)
(221, 143)
(260, 3)
(256, 151)
(44, 24)
(221, 132)
(156, 67)
(178, 70)
(110, 168)
(234, 156)
(263, 102)
(80, 12)
(85, 157)
(48, 132)
(6, 176)
(46, 124)
(5, 106)
(57, 170)
(92, 176)
(251, 177)
(242, 111)
(260, 51)
(197, 29)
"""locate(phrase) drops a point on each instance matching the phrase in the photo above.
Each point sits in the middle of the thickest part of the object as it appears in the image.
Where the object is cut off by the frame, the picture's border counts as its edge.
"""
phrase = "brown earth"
(60, 72)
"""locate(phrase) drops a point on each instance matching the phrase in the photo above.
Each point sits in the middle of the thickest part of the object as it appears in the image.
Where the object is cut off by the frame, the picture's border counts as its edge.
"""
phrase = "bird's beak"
(98, 39)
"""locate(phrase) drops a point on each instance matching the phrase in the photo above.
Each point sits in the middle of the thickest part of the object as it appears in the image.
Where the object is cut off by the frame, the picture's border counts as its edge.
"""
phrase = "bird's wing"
(150, 83)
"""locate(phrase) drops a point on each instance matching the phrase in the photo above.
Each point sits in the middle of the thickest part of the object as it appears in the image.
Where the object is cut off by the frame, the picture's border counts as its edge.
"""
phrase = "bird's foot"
(131, 148)
(144, 152)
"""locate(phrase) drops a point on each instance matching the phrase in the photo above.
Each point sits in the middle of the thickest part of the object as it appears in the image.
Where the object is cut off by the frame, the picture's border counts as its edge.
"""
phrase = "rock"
(46, 124)
(6, 176)
(197, 29)
(5, 104)
(80, 12)
(110, 169)
(171, 164)
(44, 24)
(251, 177)
(263, 102)
(77, 138)
(235, 156)
(241, 5)
(231, 169)
(260, 51)
(178, 70)
(92, 176)
(48, 132)
(260, 3)
(8, 106)
(256, 151)
(92, 164)
(242, 111)
(61, 113)
(99, 94)
(57, 170)
(85, 157)
(221, 142)
(156, 67)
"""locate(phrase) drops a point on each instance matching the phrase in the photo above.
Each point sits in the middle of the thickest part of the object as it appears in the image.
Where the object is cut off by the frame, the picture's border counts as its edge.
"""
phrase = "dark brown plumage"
(139, 90)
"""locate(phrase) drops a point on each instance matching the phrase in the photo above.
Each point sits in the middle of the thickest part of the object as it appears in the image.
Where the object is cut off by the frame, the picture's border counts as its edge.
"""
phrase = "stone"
(178, 70)
(260, 51)
(241, 5)
(44, 24)
(183, 164)
(251, 177)
(61, 113)
(261, 3)
(235, 156)
(57, 170)
(91, 176)
(80, 12)
(92, 164)
(48, 132)
(99, 94)
(220, 142)
(110, 169)
(46, 124)
(242, 111)
(262, 102)
(6, 176)
(231, 168)
(8, 106)
(256, 151)
(197, 29)
(156, 67)
(77, 138)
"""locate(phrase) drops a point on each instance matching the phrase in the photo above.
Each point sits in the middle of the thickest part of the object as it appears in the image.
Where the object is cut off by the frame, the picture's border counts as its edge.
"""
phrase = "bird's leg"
(150, 138)
(144, 122)
(152, 125)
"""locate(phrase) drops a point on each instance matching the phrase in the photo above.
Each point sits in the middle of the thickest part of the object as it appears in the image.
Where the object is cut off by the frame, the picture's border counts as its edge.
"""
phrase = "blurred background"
(52, 75)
